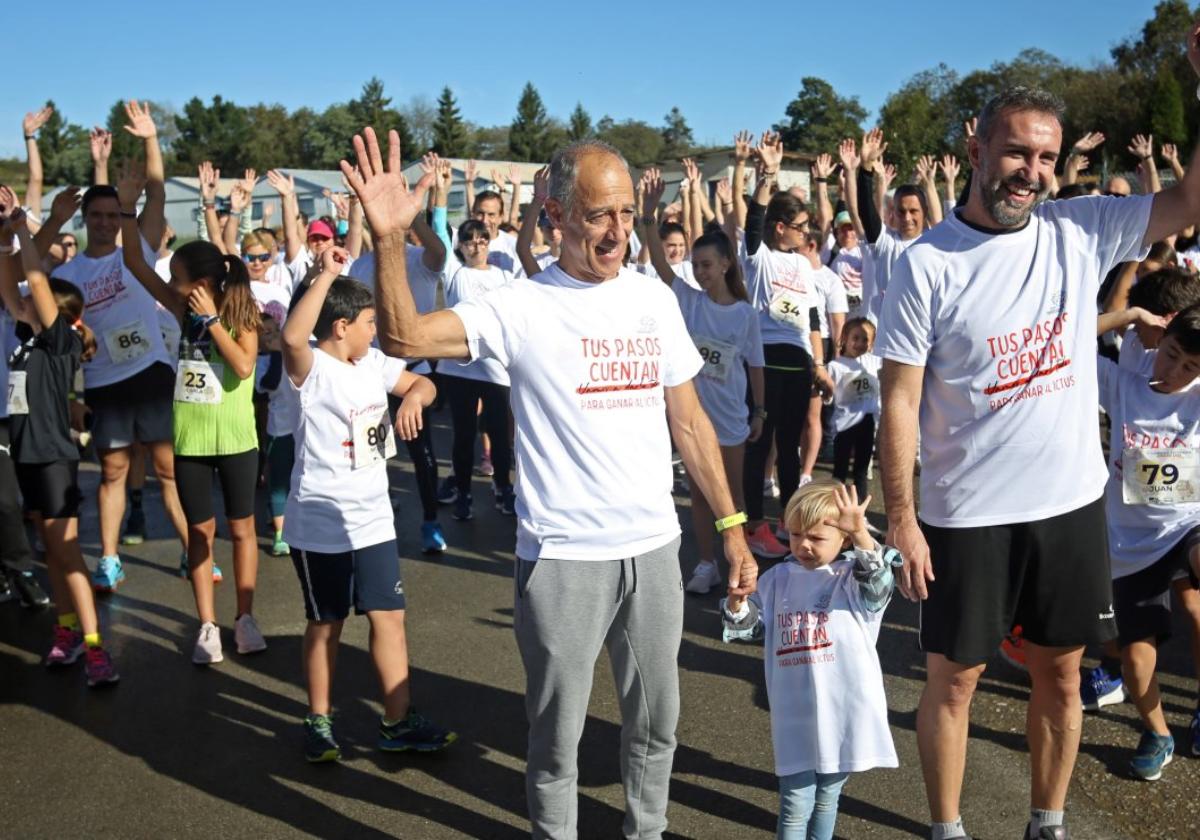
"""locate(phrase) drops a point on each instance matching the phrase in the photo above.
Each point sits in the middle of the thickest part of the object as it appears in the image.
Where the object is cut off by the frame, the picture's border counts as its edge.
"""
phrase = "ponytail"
(230, 282)
(70, 309)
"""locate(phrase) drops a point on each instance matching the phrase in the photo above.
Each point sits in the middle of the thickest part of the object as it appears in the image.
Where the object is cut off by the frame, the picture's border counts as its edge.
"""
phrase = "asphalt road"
(179, 751)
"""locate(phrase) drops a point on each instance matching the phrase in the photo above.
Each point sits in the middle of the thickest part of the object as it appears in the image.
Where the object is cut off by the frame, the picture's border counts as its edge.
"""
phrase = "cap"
(320, 228)
(842, 218)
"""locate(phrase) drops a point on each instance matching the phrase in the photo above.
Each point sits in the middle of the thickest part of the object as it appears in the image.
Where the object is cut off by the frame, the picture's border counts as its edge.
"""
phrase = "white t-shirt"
(781, 289)
(830, 295)
(279, 275)
(502, 253)
(855, 389)
(1142, 418)
(421, 280)
(121, 313)
(272, 300)
(879, 261)
(848, 265)
(468, 284)
(1005, 327)
(300, 267)
(727, 338)
(334, 507)
(828, 707)
(588, 364)
(1133, 355)
(683, 270)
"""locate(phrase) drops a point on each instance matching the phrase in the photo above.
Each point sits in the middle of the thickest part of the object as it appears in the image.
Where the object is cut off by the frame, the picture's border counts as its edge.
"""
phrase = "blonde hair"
(254, 238)
(811, 505)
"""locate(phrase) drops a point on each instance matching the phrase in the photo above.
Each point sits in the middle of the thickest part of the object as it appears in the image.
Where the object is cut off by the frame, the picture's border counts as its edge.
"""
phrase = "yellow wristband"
(730, 521)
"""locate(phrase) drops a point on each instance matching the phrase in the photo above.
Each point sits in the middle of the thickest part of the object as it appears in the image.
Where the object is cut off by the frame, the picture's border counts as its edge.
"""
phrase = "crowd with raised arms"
(986, 316)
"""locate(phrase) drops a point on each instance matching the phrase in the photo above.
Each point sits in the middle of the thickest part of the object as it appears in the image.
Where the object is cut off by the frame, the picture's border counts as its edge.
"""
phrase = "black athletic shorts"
(366, 578)
(1051, 577)
(51, 489)
(194, 480)
(1143, 599)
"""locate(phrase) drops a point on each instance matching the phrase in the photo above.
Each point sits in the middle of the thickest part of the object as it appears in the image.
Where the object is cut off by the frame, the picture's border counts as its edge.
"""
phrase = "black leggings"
(15, 554)
(194, 480)
(787, 377)
(859, 439)
(463, 395)
(420, 452)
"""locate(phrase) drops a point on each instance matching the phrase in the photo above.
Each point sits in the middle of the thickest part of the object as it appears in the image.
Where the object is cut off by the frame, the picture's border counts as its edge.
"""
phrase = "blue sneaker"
(414, 733)
(108, 575)
(185, 569)
(1101, 689)
(319, 745)
(432, 539)
(506, 501)
(1196, 732)
(1154, 752)
(462, 507)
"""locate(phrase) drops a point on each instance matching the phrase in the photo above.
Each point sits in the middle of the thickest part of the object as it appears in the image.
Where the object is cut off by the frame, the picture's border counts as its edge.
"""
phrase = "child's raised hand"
(333, 259)
(852, 514)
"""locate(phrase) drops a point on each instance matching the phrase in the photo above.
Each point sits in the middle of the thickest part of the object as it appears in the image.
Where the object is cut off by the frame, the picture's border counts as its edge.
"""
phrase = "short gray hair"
(564, 168)
(1019, 98)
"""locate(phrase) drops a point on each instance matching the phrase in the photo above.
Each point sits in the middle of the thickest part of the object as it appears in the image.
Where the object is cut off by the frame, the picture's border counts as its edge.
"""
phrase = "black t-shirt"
(49, 361)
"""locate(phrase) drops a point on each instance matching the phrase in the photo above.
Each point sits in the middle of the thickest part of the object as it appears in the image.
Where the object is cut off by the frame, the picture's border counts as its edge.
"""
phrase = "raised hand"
(950, 167)
(873, 147)
(926, 169)
(35, 120)
(285, 185)
(888, 174)
(498, 180)
(823, 166)
(208, 182)
(848, 154)
(8, 201)
(249, 181)
(334, 259)
(1169, 153)
(741, 145)
(541, 185)
(389, 205)
(1082, 162)
(239, 197)
(267, 212)
(470, 171)
(514, 174)
(652, 191)
(969, 127)
(724, 191)
(692, 172)
(770, 152)
(65, 204)
(1088, 142)
(133, 181)
(446, 174)
(201, 302)
(141, 124)
(100, 141)
(851, 513)
(430, 163)
(1142, 146)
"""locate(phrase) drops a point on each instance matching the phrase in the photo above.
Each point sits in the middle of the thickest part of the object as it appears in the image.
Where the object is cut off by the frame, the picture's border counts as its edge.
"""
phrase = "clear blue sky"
(725, 67)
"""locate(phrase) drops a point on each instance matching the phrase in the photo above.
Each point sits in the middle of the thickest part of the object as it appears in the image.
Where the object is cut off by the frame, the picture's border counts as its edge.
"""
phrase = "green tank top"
(213, 408)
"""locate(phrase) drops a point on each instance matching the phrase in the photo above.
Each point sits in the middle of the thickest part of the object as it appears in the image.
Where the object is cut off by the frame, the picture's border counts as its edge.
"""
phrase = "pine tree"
(528, 138)
(451, 138)
(580, 126)
(1167, 122)
(676, 134)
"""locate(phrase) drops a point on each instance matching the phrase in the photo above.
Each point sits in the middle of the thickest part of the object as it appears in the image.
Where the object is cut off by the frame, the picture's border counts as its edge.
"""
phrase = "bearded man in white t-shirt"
(601, 367)
(987, 334)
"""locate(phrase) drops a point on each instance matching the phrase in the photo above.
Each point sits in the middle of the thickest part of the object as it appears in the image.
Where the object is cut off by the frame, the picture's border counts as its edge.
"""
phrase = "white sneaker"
(805, 479)
(249, 638)
(704, 577)
(208, 645)
(771, 488)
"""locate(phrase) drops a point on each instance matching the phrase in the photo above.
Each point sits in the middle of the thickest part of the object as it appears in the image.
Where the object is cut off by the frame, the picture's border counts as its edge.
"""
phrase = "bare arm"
(541, 191)
(652, 186)
(850, 162)
(61, 210)
(927, 176)
(101, 148)
(128, 189)
(207, 177)
(354, 230)
(901, 385)
(514, 204)
(1118, 297)
(741, 153)
(950, 169)
(1121, 319)
(696, 206)
(822, 169)
(240, 353)
(297, 354)
(1143, 147)
(285, 185)
(33, 192)
(470, 170)
(153, 219)
(685, 199)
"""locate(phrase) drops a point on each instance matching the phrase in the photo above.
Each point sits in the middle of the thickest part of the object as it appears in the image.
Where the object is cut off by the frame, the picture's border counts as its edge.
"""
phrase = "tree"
(66, 158)
(676, 135)
(451, 137)
(490, 142)
(580, 125)
(818, 119)
(372, 108)
(918, 119)
(216, 132)
(1163, 38)
(1166, 108)
(527, 137)
(419, 115)
(274, 138)
(641, 144)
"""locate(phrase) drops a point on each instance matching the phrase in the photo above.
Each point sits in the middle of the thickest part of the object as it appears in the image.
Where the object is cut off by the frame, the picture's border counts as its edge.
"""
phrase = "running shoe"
(1154, 752)
(1012, 650)
(414, 733)
(319, 745)
(704, 577)
(485, 467)
(208, 645)
(448, 492)
(1196, 732)
(1048, 832)
(763, 543)
(185, 570)
(1101, 689)
(67, 647)
(108, 575)
(6, 591)
(135, 528)
(247, 635)
(98, 666)
(805, 479)
(432, 539)
(32, 596)
(506, 501)
(279, 548)
(771, 488)
(462, 508)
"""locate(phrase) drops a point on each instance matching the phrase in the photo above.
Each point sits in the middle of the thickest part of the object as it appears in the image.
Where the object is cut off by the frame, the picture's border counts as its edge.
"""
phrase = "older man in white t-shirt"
(987, 334)
(601, 368)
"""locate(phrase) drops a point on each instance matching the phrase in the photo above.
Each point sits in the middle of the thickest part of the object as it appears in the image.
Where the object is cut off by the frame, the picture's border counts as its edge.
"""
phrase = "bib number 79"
(1166, 474)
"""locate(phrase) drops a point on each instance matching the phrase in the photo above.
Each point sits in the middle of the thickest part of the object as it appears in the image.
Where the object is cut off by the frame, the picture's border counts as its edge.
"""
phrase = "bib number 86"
(129, 340)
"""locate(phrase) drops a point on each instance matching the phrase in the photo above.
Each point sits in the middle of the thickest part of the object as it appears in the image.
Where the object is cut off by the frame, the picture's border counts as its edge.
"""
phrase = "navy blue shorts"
(367, 578)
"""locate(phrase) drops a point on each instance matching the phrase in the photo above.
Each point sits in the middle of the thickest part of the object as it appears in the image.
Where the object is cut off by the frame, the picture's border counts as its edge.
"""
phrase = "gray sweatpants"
(565, 610)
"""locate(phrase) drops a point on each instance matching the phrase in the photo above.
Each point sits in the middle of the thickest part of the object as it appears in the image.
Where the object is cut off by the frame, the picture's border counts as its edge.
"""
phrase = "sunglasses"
(71, 244)
(253, 258)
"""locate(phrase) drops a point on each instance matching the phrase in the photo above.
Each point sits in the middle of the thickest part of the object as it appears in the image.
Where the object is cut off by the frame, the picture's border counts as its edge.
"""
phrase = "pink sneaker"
(763, 543)
(67, 647)
(99, 668)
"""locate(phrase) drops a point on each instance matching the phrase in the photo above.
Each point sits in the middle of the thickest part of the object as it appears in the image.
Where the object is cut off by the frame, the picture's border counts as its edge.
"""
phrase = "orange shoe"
(1012, 649)
(762, 542)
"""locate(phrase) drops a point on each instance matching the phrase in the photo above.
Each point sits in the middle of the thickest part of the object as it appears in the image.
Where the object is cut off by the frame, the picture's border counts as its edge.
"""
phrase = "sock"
(1039, 818)
(1113, 668)
(947, 830)
(92, 640)
(135, 498)
(69, 620)
(279, 535)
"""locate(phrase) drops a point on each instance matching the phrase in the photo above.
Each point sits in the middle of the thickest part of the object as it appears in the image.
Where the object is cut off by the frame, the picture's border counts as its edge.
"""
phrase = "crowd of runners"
(1028, 343)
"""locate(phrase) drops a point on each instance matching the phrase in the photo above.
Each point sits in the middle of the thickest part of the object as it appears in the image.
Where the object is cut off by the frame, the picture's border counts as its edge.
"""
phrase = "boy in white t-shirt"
(338, 521)
(819, 613)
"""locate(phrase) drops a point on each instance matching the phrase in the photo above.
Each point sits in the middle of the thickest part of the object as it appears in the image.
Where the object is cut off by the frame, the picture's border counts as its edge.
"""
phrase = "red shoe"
(1012, 649)
(762, 542)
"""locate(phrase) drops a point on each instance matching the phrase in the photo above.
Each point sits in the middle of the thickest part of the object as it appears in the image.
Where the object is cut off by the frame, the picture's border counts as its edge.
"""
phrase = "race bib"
(1160, 476)
(199, 382)
(860, 389)
(127, 343)
(718, 357)
(788, 307)
(18, 402)
(373, 439)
